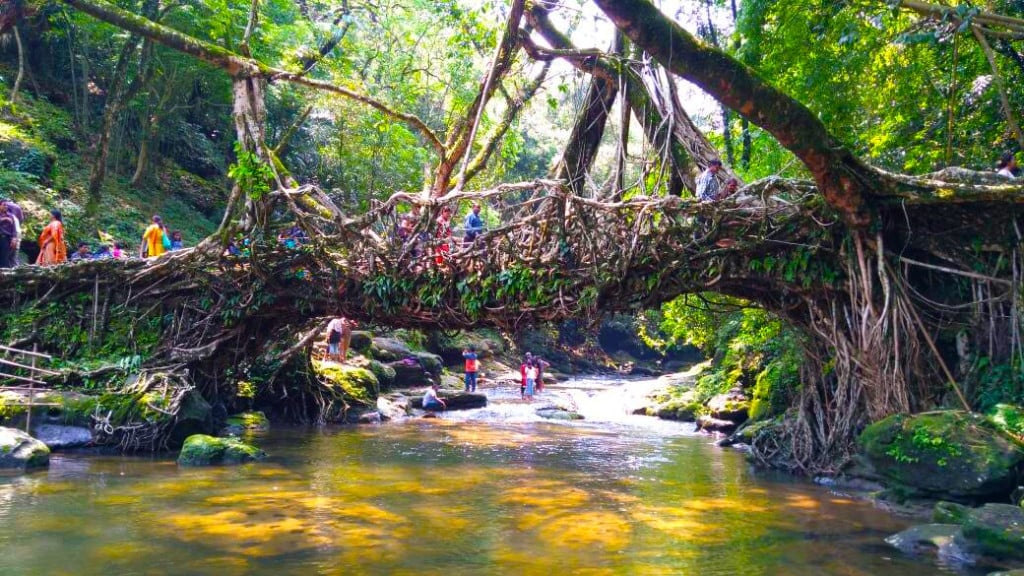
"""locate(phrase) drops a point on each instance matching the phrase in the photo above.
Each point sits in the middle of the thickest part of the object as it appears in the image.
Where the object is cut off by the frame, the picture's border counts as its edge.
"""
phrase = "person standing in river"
(472, 364)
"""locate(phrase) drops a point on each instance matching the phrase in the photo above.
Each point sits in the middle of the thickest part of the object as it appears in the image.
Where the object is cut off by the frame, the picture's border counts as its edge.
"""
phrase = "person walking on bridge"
(154, 240)
(443, 235)
(52, 249)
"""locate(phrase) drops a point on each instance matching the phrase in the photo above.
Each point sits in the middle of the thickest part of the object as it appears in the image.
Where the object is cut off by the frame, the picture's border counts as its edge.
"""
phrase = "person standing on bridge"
(52, 249)
(9, 232)
(707, 182)
(474, 224)
(154, 240)
(443, 235)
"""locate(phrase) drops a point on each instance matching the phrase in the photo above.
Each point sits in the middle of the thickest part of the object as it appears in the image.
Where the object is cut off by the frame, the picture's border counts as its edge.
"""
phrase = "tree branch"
(234, 64)
(841, 177)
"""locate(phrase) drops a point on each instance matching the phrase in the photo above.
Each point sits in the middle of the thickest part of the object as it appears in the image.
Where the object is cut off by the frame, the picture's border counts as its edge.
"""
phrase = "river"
(489, 491)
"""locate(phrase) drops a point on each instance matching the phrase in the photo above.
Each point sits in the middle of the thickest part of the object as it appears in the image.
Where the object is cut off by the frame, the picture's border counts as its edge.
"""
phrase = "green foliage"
(994, 383)
(1008, 418)
(251, 173)
(750, 347)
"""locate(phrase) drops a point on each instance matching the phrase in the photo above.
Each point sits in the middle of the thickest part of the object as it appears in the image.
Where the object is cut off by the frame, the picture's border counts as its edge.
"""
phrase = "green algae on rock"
(203, 450)
(21, 452)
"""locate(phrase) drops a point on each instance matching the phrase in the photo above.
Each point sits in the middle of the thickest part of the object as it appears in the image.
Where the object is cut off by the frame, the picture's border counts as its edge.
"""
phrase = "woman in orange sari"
(52, 249)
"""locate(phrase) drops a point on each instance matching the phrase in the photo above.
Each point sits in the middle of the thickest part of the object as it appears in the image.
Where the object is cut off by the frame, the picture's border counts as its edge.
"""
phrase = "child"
(471, 368)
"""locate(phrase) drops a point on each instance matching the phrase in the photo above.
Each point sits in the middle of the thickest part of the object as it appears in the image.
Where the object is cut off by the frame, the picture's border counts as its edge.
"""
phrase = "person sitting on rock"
(431, 401)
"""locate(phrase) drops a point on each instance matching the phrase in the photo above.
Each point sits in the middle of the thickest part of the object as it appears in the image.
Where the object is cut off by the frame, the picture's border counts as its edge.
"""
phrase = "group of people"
(444, 235)
(156, 240)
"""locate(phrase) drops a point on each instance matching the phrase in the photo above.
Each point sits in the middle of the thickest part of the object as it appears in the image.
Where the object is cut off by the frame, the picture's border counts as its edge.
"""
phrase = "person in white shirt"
(431, 401)
(1007, 165)
(531, 380)
(339, 334)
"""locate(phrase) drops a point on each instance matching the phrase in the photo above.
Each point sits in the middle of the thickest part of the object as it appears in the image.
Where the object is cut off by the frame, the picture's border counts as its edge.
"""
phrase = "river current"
(491, 491)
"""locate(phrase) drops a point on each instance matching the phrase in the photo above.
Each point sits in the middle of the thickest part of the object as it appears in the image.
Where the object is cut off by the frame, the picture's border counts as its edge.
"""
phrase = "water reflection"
(442, 497)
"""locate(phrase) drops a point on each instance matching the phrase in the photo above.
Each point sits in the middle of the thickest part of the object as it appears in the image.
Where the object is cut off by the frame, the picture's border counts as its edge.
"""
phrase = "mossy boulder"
(551, 413)
(385, 374)
(203, 450)
(949, 513)
(431, 362)
(12, 408)
(21, 452)
(245, 422)
(487, 343)
(195, 416)
(356, 385)
(946, 539)
(952, 455)
(361, 341)
(683, 410)
(733, 406)
(996, 530)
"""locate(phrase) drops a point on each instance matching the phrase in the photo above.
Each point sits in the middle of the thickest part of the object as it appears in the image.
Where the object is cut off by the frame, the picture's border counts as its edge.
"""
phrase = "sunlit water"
(493, 491)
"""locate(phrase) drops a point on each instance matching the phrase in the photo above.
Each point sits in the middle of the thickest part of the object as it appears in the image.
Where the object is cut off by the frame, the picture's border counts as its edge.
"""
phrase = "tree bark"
(21, 66)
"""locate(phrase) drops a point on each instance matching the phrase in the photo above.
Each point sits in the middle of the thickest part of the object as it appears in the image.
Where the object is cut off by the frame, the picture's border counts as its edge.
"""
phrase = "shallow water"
(493, 491)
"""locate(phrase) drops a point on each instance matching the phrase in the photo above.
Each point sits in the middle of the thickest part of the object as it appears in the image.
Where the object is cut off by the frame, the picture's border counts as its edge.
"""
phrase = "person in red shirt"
(472, 364)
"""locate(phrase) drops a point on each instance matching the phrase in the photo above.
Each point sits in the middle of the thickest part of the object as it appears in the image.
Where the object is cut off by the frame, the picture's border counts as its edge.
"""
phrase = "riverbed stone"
(57, 436)
(949, 513)
(203, 450)
(385, 374)
(952, 455)
(408, 373)
(732, 406)
(195, 416)
(553, 413)
(996, 530)
(946, 539)
(361, 341)
(21, 452)
(393, 406)
(455, 400)
(709, 423)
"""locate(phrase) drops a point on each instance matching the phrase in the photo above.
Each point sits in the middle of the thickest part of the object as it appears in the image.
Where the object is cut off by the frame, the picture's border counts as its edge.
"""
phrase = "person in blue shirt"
(474, 224)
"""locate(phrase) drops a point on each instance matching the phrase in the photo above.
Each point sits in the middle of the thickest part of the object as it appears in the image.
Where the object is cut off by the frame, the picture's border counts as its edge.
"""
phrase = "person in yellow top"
(153, 239)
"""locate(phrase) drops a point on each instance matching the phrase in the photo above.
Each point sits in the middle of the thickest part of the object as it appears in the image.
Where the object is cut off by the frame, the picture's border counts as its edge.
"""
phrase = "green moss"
(203, 450)
(951, 452)
(385, 374)
(10, 407)
(249, 421)
(949, 513)
(354, 384)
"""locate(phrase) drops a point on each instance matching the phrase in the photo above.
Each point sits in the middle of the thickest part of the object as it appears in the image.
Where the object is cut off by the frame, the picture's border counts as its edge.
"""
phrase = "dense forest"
(870, 266)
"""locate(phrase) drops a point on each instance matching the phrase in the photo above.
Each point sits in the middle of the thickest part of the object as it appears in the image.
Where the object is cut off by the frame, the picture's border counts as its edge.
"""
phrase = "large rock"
(57, 436)
(454, 401)
(408, 374)
(195, 416)
(361, 341)
(733, 406)
(996, 530)
(389, 349)
(393, 406)
(553, 413)
(952, 455)
(709, 423)
(21, 452)
(203, 450)
(947, 540)
(385, 374)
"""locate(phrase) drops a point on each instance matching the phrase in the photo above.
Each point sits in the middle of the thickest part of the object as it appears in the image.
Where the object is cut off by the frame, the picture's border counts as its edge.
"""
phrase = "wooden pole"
(31, 390)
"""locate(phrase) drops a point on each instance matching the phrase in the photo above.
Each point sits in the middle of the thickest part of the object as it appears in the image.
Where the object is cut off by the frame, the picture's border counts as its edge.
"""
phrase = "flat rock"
(946, 540)
(203, 450)
(455, 401)
(56, 436)
(558, 414)
(711, 424)
(393, 406)
(996, 530)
